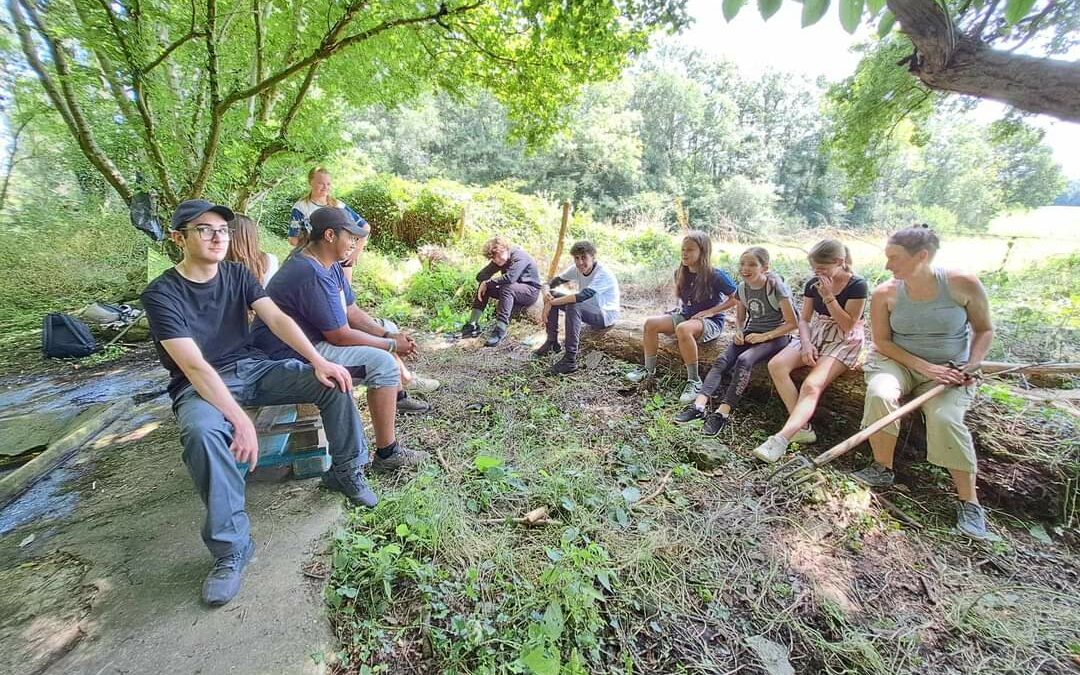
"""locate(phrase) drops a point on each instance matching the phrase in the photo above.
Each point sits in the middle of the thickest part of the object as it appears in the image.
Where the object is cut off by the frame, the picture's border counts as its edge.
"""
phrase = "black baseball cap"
(331, 218)
(193, 208)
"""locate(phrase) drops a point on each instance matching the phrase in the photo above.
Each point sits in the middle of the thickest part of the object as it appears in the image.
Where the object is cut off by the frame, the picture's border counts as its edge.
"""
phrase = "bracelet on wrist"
(391, 345)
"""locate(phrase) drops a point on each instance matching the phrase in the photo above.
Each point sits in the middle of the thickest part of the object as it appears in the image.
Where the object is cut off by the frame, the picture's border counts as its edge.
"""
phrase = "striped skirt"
(829, 340)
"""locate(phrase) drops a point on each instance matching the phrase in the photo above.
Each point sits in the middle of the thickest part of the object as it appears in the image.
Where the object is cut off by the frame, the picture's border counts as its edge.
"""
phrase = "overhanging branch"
(949, 61)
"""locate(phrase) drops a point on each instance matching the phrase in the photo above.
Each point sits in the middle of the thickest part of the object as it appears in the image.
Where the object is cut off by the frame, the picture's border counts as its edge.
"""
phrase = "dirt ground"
(102, 564)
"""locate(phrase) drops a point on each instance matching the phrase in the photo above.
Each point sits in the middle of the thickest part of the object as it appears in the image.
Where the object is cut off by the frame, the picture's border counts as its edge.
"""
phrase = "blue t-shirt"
(313, 296)
(720, 287)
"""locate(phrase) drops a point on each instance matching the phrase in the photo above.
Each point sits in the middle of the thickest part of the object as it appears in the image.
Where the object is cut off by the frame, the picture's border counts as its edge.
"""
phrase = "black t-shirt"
(856, 289)
(214, 314)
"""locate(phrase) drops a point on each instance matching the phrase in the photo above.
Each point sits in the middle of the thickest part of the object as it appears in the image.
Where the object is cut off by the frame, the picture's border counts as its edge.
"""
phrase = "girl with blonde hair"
(317, 197)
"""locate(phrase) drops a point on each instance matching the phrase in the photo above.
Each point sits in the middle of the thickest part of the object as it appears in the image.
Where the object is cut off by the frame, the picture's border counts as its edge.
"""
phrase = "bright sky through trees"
(824, 50)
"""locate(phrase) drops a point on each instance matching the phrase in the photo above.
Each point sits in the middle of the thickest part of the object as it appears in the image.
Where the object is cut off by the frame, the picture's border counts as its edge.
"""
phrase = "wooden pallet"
(290, 435)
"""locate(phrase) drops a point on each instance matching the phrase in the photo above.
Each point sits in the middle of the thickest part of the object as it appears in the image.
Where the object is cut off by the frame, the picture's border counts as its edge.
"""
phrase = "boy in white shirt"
(596, 303)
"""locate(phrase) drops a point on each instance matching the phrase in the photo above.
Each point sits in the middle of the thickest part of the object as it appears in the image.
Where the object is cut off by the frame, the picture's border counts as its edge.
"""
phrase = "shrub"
(440, 284)
(372, 279)
(652, 249)
(748, 205)
(380, 204)
(431, 219)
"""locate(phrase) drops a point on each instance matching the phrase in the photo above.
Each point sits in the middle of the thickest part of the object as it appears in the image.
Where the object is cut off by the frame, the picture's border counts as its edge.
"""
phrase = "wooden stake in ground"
(553, 268)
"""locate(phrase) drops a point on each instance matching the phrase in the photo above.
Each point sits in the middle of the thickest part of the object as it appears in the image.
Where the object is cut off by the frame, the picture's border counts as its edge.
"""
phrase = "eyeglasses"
(207, 233)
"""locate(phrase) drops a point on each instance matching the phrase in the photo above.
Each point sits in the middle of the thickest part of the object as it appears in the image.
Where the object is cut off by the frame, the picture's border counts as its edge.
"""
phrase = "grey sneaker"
(223, 582)
(549, 347)
(875, 475)
(971, 520)
(772, 449)
(804, 436)
(689, 414)
(690, 392)
(714, 422)
(639, 374)
(423, 385)
(412, 405)
(400, 459)
(348, 479)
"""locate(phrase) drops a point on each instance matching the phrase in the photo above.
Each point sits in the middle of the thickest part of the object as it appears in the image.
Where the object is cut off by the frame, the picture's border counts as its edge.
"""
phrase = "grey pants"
(740, 361)
(507, 298)
(576, 314)
(206, 436)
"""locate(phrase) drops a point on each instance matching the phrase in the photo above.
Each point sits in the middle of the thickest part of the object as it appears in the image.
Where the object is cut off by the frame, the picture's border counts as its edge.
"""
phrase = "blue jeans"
(206, 436)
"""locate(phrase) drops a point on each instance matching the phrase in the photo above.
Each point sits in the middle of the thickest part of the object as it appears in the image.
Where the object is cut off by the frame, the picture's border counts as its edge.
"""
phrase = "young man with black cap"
(311, 288)
(198, 313)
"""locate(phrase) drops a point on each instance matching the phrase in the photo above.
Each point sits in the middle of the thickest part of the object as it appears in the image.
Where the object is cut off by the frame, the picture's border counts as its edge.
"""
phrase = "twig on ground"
(442, 460)
(897, 511)
(659, 488)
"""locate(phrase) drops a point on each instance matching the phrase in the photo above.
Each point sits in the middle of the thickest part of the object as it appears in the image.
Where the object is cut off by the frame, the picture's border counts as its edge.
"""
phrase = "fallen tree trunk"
(1023, 462)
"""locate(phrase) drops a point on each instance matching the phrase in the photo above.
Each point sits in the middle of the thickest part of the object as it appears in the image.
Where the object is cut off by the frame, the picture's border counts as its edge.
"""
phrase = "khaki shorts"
(948, 441)
(710, 329)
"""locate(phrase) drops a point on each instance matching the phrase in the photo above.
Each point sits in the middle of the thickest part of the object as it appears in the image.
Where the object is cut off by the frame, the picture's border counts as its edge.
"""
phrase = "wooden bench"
(290, 435)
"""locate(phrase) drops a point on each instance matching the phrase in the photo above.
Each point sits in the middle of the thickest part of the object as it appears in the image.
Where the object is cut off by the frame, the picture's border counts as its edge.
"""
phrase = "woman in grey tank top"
(922, 320)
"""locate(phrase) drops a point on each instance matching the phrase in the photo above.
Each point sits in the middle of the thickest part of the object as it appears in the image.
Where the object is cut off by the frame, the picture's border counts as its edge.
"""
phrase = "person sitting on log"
(596, 303)
(311, 288)
(929, 326)
(198, 313)
(765, 318)
(830, 343)
(518, 286)
(703, 293)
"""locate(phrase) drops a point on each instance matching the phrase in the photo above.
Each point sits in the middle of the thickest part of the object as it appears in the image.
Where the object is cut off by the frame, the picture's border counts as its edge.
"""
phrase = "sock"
(502, 325)
(475, 316)
(650, 363)
(383, 453)
(692, 373)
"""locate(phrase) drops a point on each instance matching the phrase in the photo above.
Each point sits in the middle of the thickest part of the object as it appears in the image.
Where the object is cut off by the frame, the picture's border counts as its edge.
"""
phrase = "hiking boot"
(496, 336)
(772, 449)
(548, 347)
(223, 582)
(348, 479)
(470, 330)
(423, 385)
(401, 458)
(714, 422)
(410, 405)
(566, 365)
(639, 374)
(804, 436)
(875, 475)
(971, 521)
(689, 414)
(690, 392)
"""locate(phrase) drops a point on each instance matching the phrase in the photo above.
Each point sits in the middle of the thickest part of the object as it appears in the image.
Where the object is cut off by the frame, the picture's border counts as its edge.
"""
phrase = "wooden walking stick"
(801, 464)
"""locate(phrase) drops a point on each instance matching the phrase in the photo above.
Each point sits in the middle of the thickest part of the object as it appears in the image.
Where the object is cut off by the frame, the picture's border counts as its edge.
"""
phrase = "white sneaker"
(804, 436)
(638, 374)
(423, 385)
(690, 392)
(772, 449)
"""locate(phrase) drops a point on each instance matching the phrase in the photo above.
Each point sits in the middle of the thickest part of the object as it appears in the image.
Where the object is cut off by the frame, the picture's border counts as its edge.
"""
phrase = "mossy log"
(1017, 466)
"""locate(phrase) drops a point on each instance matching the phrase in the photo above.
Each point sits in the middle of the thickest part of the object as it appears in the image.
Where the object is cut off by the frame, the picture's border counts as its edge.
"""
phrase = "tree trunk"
(949, 61)
(1009, 475)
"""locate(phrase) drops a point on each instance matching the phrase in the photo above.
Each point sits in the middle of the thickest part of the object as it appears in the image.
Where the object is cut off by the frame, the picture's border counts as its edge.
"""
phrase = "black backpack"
(63, 337)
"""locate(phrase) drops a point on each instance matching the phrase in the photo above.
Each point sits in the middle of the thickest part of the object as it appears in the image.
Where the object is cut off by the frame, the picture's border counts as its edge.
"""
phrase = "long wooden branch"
(9, 166)
(948, 61)
(217, 110)
(63, 97)
(176, 44)
(327, 50)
